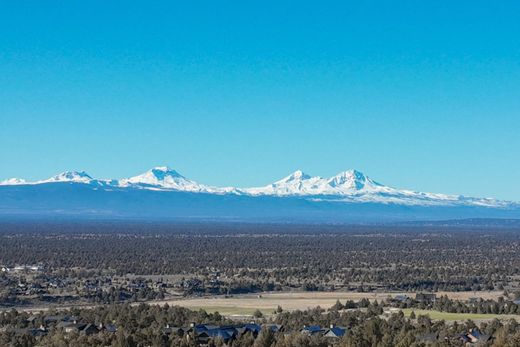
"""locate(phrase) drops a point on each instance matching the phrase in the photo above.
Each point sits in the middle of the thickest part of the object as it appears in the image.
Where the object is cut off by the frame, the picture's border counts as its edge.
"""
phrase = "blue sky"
(419, 95)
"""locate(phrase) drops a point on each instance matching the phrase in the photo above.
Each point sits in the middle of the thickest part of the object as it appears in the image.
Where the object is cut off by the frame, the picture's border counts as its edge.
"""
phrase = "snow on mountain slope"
(299, 183)
(348, 186)
(164, 178)
(13, 182)
(70, 176)
(354, 186)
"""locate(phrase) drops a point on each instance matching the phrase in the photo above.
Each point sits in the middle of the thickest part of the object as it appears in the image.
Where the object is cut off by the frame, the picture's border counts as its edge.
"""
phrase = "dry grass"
(302, 300)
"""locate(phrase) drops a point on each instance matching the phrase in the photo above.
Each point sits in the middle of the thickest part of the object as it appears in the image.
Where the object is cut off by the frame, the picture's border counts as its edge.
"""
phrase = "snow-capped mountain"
(70, 176)
(165, 178)
(12, 182)
(162, 177)
(354, 186)
(164, 194)
(299, 183)
(349, 186)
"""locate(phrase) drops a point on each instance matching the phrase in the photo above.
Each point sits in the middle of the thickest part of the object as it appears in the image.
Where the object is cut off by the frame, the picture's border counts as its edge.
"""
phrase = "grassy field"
(290, 301)
(438, 315)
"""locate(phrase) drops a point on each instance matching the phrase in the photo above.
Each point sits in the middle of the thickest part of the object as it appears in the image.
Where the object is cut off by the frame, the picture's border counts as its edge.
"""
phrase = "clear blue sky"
(420, 95)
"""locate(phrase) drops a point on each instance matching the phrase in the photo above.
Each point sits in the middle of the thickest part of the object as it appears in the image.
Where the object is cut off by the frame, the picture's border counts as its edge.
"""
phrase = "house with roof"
(313, 330)
(475, 338)
(275, 328)
(179, 331)
(35, 332)
(335, 332)
(427, 298)
(109, 328)
(72, 327)
(226, 334)
(401, 298)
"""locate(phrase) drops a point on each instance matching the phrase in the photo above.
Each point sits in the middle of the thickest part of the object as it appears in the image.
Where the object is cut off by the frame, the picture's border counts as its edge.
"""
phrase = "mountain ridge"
(350, 186)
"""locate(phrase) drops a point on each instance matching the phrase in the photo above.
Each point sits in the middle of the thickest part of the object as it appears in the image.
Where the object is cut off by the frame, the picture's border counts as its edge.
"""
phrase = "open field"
(268, 302)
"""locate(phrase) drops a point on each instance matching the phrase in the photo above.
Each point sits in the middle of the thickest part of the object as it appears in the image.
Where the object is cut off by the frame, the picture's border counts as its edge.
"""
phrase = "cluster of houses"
(473, 338)
(69, 325)
(203, 333)
(426, 298)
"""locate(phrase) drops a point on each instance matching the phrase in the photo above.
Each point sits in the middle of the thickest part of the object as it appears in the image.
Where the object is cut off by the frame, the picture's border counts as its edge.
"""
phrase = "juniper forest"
(63, 283)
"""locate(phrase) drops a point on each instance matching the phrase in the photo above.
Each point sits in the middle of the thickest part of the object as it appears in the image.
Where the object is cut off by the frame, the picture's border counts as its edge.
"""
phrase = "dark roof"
(49, 319)
(199, 328)
(63, 324)
(401, 297)
(90, 329)
(336, 332)
(111, 328)
(475, 333)
(169, 330)
(225, 334)
(253, 327)
(275, 327)
(313, 329)
(78, 326)
(33, 332)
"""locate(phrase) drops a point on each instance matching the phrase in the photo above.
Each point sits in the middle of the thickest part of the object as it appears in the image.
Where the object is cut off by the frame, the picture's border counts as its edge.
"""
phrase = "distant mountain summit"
(349, 186)
(70, 176)
(12, 182)
(162, 177)
(298, 183)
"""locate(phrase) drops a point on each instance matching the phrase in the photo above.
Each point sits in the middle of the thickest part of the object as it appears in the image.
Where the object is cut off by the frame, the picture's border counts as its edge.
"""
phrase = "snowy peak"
(299, 183)
(163, 171)
(71, 176)
(162, 177)
(157, 176)
(352, 180)
(13, 182)
(297, 175)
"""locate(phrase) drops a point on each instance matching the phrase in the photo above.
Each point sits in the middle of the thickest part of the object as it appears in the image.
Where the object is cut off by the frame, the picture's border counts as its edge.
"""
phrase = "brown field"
(246, 304)
(268, 302)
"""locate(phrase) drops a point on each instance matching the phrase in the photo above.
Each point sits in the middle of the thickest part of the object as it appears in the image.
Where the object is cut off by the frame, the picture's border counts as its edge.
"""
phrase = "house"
(253, 328)
(73, 327)
(474, 338)
(335, 332)
(53, 319)
(401, 298)
(275, 328)
(427, 298)
(109, 328)
(169, 330)
(38, 332)
(226, 334)
(90, 329)
(312, 330)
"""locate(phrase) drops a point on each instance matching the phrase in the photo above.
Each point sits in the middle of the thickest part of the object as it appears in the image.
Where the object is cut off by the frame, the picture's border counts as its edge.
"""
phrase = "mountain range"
(163, 193)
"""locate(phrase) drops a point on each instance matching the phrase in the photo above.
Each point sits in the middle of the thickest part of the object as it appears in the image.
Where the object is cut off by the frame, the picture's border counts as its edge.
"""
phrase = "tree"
(265, 339)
